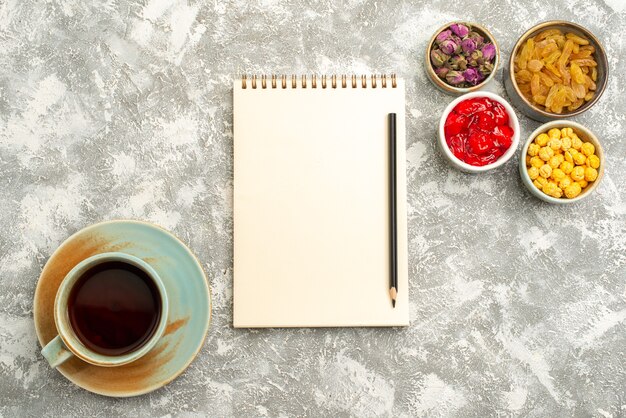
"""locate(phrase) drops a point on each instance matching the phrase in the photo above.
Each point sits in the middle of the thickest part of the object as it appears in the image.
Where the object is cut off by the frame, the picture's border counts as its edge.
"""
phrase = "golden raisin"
(535, 65)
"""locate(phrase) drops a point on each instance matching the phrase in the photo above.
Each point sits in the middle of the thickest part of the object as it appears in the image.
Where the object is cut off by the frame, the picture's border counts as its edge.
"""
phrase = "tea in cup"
(110, 310)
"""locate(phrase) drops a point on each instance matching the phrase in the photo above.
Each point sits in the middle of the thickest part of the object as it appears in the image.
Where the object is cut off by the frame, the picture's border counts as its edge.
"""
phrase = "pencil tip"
(393, 293)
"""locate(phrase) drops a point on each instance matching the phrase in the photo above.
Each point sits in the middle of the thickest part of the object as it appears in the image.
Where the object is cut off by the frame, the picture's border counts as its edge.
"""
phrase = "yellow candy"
(527, 160)
(540, 182)
(566, 143)
(545, 171)
(542, 140)
(567, 167)
(587, 148)
(593, 161)
(580, 158)
(566, 132)
(550, 189)
(565, 182)
(536, 162)
(572, 190)
(533, 149)
(546, 153)
(533, 172)
(554, 133)
(578, 173)
(555, 144)
(576, 142)
(583, 183)
(557, 174)
(554, 161)
(591, 174)
(560, 157)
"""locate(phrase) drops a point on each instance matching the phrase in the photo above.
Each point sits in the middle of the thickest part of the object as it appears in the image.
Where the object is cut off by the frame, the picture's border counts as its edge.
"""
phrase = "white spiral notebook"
(311, 202)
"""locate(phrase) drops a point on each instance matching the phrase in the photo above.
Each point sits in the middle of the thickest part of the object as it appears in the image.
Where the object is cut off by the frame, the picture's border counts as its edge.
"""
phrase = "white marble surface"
(116, 109)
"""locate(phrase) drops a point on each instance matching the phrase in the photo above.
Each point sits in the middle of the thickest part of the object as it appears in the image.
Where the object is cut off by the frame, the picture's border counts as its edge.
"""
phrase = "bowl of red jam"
(478, 132)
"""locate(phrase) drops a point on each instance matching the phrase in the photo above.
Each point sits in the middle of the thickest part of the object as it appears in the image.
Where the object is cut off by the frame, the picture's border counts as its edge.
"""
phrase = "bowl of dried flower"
(461, 57)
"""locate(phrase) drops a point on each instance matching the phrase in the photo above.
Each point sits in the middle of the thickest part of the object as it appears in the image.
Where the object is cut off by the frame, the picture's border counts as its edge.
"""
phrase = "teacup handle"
(56, 352)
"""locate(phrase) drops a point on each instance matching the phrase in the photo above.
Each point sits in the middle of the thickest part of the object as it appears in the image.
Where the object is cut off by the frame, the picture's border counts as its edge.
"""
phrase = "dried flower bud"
(489, 51)
(454, 78)
(459, 30)
(441, 72)
(468, 45)
(443, 36)
(475, 58)
(438, 58)
(472, 76)
(448, 47)
(486, 68)
(478, 39)
(458, 62)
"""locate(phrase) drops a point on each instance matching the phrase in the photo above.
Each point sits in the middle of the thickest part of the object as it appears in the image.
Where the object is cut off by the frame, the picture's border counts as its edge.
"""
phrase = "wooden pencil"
(393, 221)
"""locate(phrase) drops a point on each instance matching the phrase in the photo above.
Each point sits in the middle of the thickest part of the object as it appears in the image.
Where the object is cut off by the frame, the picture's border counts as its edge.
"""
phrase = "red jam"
(478, 132)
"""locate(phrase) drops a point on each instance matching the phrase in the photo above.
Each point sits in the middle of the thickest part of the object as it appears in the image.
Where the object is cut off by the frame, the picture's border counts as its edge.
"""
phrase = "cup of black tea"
(110, 310)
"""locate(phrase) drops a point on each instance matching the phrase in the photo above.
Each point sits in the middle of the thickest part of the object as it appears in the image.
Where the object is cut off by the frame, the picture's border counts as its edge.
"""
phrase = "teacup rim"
(68, 335)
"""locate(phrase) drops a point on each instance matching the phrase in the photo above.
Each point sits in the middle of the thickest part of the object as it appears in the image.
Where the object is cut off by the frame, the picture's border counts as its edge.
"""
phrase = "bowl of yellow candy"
(561, 162)
(557, 70)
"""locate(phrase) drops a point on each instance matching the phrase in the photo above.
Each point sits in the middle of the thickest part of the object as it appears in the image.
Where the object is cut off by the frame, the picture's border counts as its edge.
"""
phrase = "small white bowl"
(463, 166)
(583, 133)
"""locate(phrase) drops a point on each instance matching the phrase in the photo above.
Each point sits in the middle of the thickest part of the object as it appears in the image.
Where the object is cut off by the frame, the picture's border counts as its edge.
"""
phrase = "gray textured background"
(120, 109)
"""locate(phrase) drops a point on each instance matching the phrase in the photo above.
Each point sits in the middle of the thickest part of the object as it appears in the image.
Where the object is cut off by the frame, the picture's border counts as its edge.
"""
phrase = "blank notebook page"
(311, 206)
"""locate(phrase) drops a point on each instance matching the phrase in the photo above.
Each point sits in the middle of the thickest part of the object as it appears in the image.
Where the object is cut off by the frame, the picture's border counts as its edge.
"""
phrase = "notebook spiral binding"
(342, 81)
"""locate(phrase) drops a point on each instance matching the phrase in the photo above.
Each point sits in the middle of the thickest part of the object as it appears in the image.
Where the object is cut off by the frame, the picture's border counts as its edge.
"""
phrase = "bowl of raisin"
(557, 70)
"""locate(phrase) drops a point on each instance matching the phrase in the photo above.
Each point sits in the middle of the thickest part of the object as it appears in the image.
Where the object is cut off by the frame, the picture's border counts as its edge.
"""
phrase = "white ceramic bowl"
(463, 166)
(583, 133)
